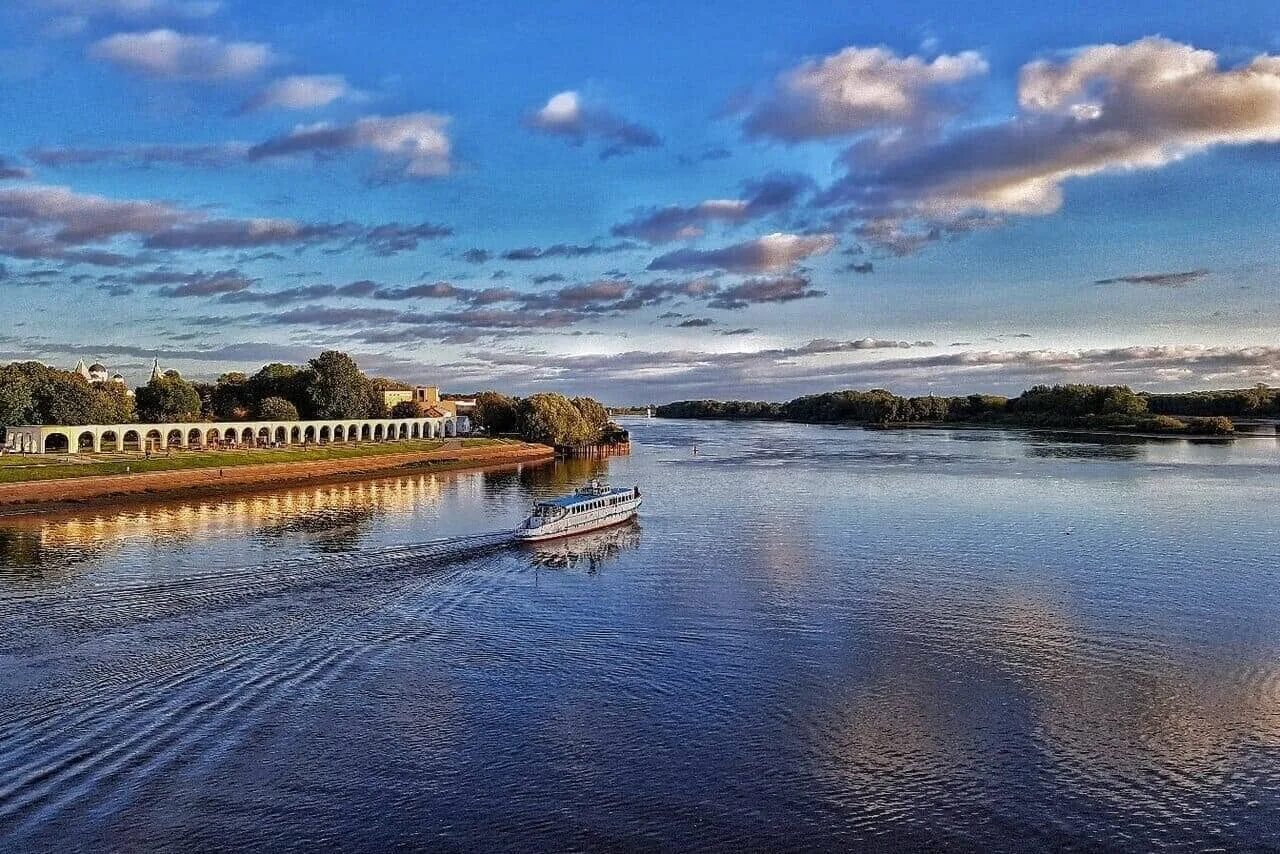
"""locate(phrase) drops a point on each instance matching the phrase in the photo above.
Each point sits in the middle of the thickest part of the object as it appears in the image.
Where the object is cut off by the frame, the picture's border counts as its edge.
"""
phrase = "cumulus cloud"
(771, 252)
(856, 90)
(778, 289)
(417, 143)
(676, 222)
(300, 92)
(170, 55)
(568, 116)
(1105, 108)
(1164, 280)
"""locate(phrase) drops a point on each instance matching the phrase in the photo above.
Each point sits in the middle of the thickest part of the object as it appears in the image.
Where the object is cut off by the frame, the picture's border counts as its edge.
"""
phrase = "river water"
(815, 637)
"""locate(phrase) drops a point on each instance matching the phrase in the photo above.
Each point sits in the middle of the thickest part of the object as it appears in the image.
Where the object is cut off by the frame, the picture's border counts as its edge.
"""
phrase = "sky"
(647, 202)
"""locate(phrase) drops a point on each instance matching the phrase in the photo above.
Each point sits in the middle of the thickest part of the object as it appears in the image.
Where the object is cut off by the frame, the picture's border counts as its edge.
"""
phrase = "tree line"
(330, 386)
(1059, 406)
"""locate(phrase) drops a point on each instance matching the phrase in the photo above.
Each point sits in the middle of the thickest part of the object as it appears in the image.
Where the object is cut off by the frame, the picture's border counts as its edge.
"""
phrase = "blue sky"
(646, 201)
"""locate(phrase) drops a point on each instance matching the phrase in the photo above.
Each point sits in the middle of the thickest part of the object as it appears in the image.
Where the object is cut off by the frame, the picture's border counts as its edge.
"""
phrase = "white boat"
(591, 507)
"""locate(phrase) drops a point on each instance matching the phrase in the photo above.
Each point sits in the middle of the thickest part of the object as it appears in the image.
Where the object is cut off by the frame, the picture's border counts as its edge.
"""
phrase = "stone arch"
(211, 438)
(377, 433)
(309, 434)
(229, 435)
(404, 430)
(154, 439)
(415, 432)
(246, 436)
(450, 427)
(173, 437)
(57, 443)
(131, 444)
(366, 432)
(109, 437)
(339, 433)
(264, 436)
(195, 436)
(281, 435)
(295, 435)
(86, 441)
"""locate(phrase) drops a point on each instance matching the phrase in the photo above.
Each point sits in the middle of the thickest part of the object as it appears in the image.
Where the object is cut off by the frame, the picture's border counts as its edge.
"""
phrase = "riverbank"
(198, 476)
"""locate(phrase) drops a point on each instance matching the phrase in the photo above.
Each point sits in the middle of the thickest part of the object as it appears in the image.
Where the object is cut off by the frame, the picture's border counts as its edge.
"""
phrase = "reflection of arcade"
(590, 550)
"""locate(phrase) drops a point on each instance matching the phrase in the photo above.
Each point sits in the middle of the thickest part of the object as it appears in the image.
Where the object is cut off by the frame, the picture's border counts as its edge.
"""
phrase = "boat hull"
(558, 530)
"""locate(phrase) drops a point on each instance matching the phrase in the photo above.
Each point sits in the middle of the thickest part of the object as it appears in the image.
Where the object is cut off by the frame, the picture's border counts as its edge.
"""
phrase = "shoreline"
(38, 496)
(979, 425)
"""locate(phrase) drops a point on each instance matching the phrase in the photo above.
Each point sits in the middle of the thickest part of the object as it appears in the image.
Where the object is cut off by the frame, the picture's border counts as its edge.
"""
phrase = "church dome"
(98, 368)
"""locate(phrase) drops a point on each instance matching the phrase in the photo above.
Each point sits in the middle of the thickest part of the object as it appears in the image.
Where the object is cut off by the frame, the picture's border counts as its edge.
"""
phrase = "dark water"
(814, 638)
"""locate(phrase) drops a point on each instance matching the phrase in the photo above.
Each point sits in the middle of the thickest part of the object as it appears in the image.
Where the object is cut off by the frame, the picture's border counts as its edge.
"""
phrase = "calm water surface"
(814, 638)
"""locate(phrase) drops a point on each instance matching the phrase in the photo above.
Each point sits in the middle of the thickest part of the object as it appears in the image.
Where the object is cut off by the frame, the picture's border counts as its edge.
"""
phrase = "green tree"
(496, 413)
(17, 406)
(405, 409)
(337, 388)
(112, 404)
(553, 420)
(229, 400)
(167, 399)
(278, 380)
(277, 409)
(594, 414)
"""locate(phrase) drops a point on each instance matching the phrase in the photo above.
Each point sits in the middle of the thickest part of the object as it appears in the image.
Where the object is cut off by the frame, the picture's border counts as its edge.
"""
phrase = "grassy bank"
(26, 469)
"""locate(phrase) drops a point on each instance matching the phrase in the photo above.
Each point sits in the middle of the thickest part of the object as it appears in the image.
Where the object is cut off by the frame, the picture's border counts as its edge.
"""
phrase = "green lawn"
(17, 468)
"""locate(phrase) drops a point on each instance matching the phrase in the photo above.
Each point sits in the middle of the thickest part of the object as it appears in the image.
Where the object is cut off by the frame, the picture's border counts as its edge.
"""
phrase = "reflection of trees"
(589, 551)
(1094, 447)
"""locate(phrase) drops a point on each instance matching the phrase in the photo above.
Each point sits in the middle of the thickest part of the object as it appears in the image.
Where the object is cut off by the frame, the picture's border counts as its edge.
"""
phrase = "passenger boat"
(593, 506)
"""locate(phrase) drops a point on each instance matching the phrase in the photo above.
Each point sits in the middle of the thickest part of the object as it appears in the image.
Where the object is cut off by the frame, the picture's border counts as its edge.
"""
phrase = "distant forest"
(1092, 407)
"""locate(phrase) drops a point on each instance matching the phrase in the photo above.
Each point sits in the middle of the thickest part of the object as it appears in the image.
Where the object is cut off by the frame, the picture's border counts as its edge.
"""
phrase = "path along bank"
(29, 496)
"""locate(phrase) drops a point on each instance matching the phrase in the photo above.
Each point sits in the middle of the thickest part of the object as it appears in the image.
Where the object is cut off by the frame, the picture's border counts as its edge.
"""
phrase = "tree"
(406, 409)
(338, 389)
(594, 413)
(553, 420)
(278, 380)
(277, 409)
(112, 404)
(495, 412)
(230, 398)
(168, 399)
(17, 406)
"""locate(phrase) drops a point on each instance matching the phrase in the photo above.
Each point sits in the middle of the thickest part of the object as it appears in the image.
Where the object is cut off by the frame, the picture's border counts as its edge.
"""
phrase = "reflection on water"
(588, 551)
(815, 637)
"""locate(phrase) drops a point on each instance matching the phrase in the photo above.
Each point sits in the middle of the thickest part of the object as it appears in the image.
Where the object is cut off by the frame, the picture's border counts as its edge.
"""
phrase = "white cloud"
(567, 115)
(301, 92)
(1106, 108)
(855, 90)
(417, 142)
(765, 254)
(172, 55)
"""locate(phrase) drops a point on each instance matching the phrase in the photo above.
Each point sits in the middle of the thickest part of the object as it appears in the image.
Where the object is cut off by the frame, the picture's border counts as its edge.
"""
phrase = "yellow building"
(427, 397)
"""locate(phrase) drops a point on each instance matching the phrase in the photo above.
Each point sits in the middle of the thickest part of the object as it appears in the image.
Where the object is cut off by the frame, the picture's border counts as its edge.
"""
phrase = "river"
(815, 637)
